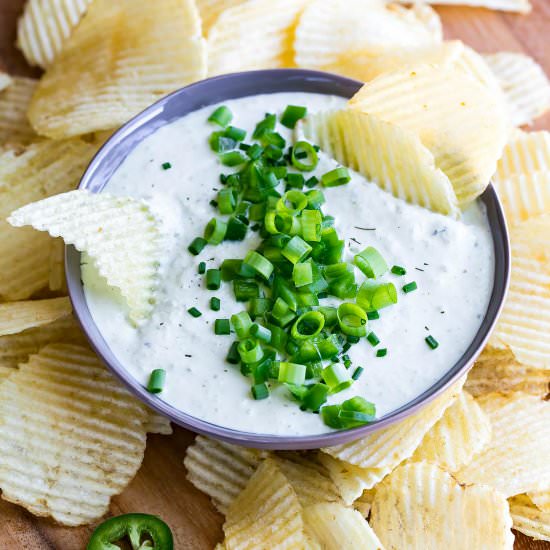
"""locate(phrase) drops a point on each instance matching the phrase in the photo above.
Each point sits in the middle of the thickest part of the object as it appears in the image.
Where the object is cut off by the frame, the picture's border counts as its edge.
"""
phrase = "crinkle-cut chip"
(383, 450)
(423, 13)
(44, 27)
(516, 460)
(14, 102)
(524, 196)
(16, 348)
(419, 506)
(16, 317)
(210, 10)
(157, 424)
(371, 146)
(524, 323)
(309, 479)
(56, 281)
(463, 431)
(71, 436)
(524, 83)
(525, 153)
(459, 120)
(5, 372)
(518, 6)
(329, 28)
(498, 370)
(27, 174)
(473, 64)
(269, 33)
(528, 519)
(5, 80)
(120, 234)
(219, 469)
(336, 526)
(266, 514)
(541, 499)
(122, 57)
(364, 503)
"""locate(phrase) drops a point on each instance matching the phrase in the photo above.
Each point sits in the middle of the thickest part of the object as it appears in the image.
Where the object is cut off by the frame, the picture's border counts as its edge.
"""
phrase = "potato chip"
(528, 519)
(27, 174)
(57, 280)
(120, 234)
(329, 28)
(524, 83)
(157, 424)
(5, 80)
(18, 316)
(525, 320)
(269, 33)
(5, 372)
(370, 146)
(267, 514)
(519, 6)
(210, 10)
(377, 454)
(219, 469)
(516, 460)
(14, 102)
(475, 65)
(541, 499)
(463, 431)
(16, 348)
(459, 120)
(121, 58)
(421, 506)
(71, 436)
(44, 27)
(364, 503)
(336, 526)
(499, 370)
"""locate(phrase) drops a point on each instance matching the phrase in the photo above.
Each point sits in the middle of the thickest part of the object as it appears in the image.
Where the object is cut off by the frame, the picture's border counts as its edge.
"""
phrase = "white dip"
(451, 261)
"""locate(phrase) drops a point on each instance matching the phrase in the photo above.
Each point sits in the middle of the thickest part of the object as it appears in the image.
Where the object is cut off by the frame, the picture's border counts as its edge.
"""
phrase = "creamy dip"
(451, 261)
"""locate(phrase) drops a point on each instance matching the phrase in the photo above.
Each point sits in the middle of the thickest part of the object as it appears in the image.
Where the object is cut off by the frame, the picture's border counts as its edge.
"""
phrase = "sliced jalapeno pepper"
(143, 531)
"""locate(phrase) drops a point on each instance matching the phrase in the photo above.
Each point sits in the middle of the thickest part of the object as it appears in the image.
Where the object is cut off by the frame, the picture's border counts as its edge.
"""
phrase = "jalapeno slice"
(143, 531)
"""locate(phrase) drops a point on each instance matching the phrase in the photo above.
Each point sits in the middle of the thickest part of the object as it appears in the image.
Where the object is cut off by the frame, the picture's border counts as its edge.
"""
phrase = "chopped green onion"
(241, 323)
(355, 417)
(166, 166)
(373, 296)
(232, 158)
(292, 202)
(410, 287)
(259, 264)
(398, 270)
(330, 314)
(292, 373)
(233, 356)
(202, 268)
(352, 319)
(292, 114)
(315, 396)
(372, 315)
(215, 304)
(213, 279)
(315, 198)
(231, 269)
(431, 341)
(266, 125)
(194, 312)
(258, 307)
(281, 222)
(279, 338)
(373, 339)
(338, 176)
(371, 263)
(260, 391)
(281, 313)
(222, 327)
(357, 373)
(250, 351)
(227, 200)
(295, 180)
(222, 116)
(245, 289)
(215, 231)
(220, 143)
(156, 382)
(302, 274)
(197, 245)
(236, 229)
(296, 250)
(303, 148)
(236, 134)
(308, 325)
(311, 225)
(337, 377)
(260, 333)
(312, 182)
(382, 352)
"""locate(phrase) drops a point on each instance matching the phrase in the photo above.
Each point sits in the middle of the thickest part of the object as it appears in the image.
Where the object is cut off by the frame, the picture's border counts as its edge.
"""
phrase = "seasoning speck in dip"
(441, 298)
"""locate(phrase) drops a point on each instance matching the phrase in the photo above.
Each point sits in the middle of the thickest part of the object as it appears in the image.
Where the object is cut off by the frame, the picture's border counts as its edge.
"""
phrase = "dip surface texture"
(451, 261)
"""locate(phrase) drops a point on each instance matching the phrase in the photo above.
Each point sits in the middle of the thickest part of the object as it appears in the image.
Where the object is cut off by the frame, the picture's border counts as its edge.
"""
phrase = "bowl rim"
(208, 92)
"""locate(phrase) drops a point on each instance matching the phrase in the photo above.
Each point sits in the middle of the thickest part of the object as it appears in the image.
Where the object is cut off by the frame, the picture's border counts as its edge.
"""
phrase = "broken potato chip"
(528, 519)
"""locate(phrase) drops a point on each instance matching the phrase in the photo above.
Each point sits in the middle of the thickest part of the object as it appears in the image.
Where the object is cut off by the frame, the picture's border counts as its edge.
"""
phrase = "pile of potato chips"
(459, 473)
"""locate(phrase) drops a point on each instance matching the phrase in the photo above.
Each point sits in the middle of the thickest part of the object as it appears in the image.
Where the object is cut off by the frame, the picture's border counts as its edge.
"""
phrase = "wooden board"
(160, 486)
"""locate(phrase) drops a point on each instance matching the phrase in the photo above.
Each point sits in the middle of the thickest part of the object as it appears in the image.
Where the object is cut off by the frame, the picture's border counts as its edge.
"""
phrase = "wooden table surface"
(160, 486)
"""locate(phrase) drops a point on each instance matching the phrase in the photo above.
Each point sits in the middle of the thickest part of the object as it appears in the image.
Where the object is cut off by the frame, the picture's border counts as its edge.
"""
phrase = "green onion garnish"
(266, 125)
(215, 304)
(302, 274)
(250, 351)
(202, 268)
(260, 391)
(338, 176)
(296, 250)
(259, 264)
(232, 158)
(197, 245)
(215, 231)
(431, 341)
(371, 263)
(166, 166)
(303, 149)
(352, 319)
(357, 373)
(245, 289)
(222, 116)
(233, 356)
(337, 377)
(156, 381)
(292, 114)
(373, 315)
(308, 325)
(315, 396)
(292, 373)
(373, 296)
(194, 312)
(241, 323)
(213, 279)
(236, 134)
(382, 352)
(260, 333)
(373, 339)
(295, 180)
(222, 327)
(236, 229)
(398, 270)
(409, 287)
(227, 200)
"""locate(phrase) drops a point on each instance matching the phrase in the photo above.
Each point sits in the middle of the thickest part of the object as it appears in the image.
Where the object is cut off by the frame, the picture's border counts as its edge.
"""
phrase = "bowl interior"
(209, 92)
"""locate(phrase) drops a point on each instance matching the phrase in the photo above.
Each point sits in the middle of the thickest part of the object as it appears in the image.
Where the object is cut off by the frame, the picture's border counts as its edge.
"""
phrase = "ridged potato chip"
(122, 57)
(499, 370)
(14, 102)
(519, 6)
(524, 83)
(455, 117)
(528, 519)
(219, 469)
(266, 514)
(364, 503)
(27, 174)
(516, 460)
(56, 281)
(337, 527)
(71, 436)
(269, 33)
(370, 146)
(120, 234)
(16, 317)
(383, 450)
(329, 28)
(44, 27)
(5, 80)
(210, 10)
(525, 319)
(463, 431)
(421, 507)
(157, 424)
(541, 499)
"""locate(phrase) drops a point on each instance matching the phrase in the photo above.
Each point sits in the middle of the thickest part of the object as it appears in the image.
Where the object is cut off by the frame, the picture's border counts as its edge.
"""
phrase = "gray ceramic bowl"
(213, 91)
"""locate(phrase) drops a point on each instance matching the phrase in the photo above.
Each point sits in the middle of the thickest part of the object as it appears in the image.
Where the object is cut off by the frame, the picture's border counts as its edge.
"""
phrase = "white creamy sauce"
(451, 261)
